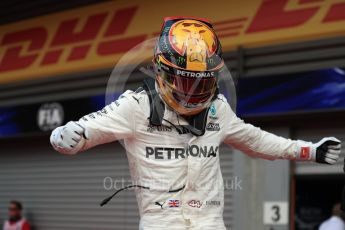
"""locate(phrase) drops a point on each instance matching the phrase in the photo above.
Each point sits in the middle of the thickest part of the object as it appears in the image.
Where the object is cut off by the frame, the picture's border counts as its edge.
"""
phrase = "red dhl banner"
(97, 36)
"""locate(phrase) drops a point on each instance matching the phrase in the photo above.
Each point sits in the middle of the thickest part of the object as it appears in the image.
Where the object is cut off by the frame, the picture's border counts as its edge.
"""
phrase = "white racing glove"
(65, 139)
(326, 151)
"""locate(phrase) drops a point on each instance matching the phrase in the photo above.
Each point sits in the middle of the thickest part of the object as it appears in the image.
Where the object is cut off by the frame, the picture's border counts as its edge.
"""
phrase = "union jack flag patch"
(174, 203)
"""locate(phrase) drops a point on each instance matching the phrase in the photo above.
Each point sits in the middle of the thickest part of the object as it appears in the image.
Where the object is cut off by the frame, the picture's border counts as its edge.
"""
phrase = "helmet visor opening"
(190, 89)
(193, 99)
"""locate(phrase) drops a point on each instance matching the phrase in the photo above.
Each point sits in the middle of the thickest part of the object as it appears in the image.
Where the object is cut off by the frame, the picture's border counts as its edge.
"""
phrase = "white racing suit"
(166, 158)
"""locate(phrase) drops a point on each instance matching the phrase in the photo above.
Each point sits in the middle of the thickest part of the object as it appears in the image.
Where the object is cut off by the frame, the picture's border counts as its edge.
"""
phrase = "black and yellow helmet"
(188, 61)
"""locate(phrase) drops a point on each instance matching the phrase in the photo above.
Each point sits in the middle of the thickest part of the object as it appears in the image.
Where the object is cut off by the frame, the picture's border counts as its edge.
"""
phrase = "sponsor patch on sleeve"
(305, 153)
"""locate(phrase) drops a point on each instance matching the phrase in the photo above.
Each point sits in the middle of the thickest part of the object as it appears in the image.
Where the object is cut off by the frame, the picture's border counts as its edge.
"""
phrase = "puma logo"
(137, 99)
(159, 204)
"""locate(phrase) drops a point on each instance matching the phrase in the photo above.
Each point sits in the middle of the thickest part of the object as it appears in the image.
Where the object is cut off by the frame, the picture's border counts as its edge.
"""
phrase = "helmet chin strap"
(196, 123)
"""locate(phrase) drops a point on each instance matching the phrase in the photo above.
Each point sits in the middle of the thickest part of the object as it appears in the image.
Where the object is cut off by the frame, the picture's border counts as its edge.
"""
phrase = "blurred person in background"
(15, 219)
(336, 221)
(173, 127)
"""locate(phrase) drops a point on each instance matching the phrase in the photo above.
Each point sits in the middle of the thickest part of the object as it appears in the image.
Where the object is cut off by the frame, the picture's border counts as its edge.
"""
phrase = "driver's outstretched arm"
(115, 121)
(256, 142)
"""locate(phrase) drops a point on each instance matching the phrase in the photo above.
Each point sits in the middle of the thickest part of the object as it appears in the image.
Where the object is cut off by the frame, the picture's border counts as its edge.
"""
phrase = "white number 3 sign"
(276, 213)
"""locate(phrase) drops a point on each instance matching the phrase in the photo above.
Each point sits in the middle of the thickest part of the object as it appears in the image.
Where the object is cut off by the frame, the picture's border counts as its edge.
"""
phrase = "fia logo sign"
(50, 116)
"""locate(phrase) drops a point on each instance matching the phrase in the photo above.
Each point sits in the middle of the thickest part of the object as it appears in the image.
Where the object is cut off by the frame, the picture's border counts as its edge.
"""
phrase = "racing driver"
(172, 128)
